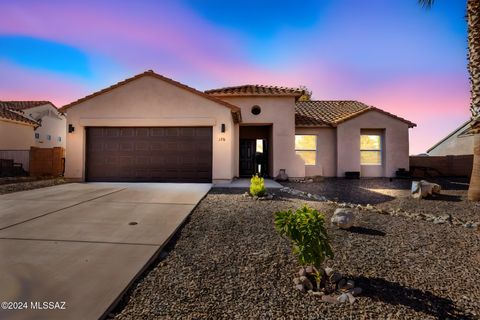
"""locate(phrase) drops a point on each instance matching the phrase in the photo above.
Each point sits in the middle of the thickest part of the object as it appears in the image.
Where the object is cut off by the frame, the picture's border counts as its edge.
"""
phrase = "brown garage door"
(172, 154)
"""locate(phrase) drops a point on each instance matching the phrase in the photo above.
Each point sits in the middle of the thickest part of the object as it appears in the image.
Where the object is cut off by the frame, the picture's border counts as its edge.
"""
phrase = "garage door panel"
(157, 132)
(142, 146)
(126, 146)
(111, 132)
(171, 132)
(168, 154)
(127, 132)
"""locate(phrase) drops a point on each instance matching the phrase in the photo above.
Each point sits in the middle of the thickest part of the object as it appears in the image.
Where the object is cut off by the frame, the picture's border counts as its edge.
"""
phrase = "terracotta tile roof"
(22, 105)
(256, 90)
(333, 112)
(16, 115)
(236, 114)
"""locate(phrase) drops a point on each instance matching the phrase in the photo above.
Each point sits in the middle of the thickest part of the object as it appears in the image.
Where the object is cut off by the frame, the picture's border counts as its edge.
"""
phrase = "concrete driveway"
(69, 251)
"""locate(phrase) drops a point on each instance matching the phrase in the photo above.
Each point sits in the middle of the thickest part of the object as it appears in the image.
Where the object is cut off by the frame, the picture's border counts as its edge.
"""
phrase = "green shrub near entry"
(306, 228)
(257, 186)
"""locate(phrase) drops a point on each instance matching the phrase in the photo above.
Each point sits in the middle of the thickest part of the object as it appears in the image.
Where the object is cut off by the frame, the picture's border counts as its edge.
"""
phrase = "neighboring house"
(457, 143)
(16, 135)
(52, 129)
(152, 128)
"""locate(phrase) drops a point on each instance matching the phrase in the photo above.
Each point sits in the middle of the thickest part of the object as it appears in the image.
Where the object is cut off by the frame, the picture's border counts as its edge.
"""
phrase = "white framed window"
(371, 149)
(306, 148)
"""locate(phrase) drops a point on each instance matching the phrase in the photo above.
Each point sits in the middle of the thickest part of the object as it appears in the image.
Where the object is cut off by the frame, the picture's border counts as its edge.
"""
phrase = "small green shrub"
(306, 228)
(257, 186)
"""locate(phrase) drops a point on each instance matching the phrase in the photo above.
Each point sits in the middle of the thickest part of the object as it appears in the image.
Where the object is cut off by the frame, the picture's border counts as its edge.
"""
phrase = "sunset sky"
(393, 54)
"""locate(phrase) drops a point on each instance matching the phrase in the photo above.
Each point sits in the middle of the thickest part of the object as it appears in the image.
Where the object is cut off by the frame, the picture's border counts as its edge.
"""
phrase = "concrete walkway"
(83, 244)
(245, 183)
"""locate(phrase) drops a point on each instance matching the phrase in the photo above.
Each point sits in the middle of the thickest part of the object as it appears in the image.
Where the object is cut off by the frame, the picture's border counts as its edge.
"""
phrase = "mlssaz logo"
(48, 305)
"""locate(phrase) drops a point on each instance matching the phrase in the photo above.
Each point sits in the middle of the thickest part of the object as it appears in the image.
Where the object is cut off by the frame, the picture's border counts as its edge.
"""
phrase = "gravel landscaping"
(9, 185)
(395, 194)
(228, 262)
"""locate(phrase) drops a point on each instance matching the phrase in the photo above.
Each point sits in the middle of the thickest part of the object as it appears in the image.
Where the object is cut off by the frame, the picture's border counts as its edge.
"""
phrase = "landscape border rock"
(267, 196)
(343, 218)
(442, 219)
(334, 287)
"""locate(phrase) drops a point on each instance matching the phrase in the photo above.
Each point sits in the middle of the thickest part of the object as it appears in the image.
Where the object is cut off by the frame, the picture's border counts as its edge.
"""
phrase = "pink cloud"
(142, 43)
(436, 103)
(176, 42)
(25, 84)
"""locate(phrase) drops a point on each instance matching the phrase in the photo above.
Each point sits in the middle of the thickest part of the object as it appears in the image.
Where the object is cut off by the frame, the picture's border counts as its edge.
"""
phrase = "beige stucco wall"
(16, 136)
(396, 145)
(326, 165)
(150, 102)
(455, 145)
(280, 113)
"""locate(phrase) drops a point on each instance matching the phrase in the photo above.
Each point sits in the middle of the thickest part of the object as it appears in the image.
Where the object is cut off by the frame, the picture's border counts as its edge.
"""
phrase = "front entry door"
(247, 157)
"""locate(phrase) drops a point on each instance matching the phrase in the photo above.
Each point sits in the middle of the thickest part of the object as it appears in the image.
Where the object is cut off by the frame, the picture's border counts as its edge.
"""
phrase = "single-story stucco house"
(152, 128)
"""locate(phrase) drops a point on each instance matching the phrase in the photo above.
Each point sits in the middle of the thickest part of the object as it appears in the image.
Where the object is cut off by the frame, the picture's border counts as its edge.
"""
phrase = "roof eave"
(370, 108)
(150, 73)
(227, 95)
(314, 126)
(27, 122)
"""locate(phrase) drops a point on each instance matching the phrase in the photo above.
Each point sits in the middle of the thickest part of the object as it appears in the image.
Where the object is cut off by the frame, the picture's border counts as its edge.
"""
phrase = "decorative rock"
(297, 281)
(311, 270)
(343, 218)
(282, 175)
(343, 298)
(442, 219)
(306, 283)
(328, 271)
(438, 221)
(351, 298)
(336, 277)
(319, 198)
(318, 293)
(349, 285)
(302, 272)
(422, 189)
(470, 225)
(356, 291)
(299, 287)
(329, 299)
(341, 284)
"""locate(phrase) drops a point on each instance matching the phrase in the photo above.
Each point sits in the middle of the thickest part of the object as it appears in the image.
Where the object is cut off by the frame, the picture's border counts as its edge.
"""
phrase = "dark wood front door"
(138, 154)
(247, 157)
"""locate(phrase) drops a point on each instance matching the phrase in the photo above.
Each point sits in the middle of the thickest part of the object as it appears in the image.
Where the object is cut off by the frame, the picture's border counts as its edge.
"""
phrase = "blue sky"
(392, 54)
